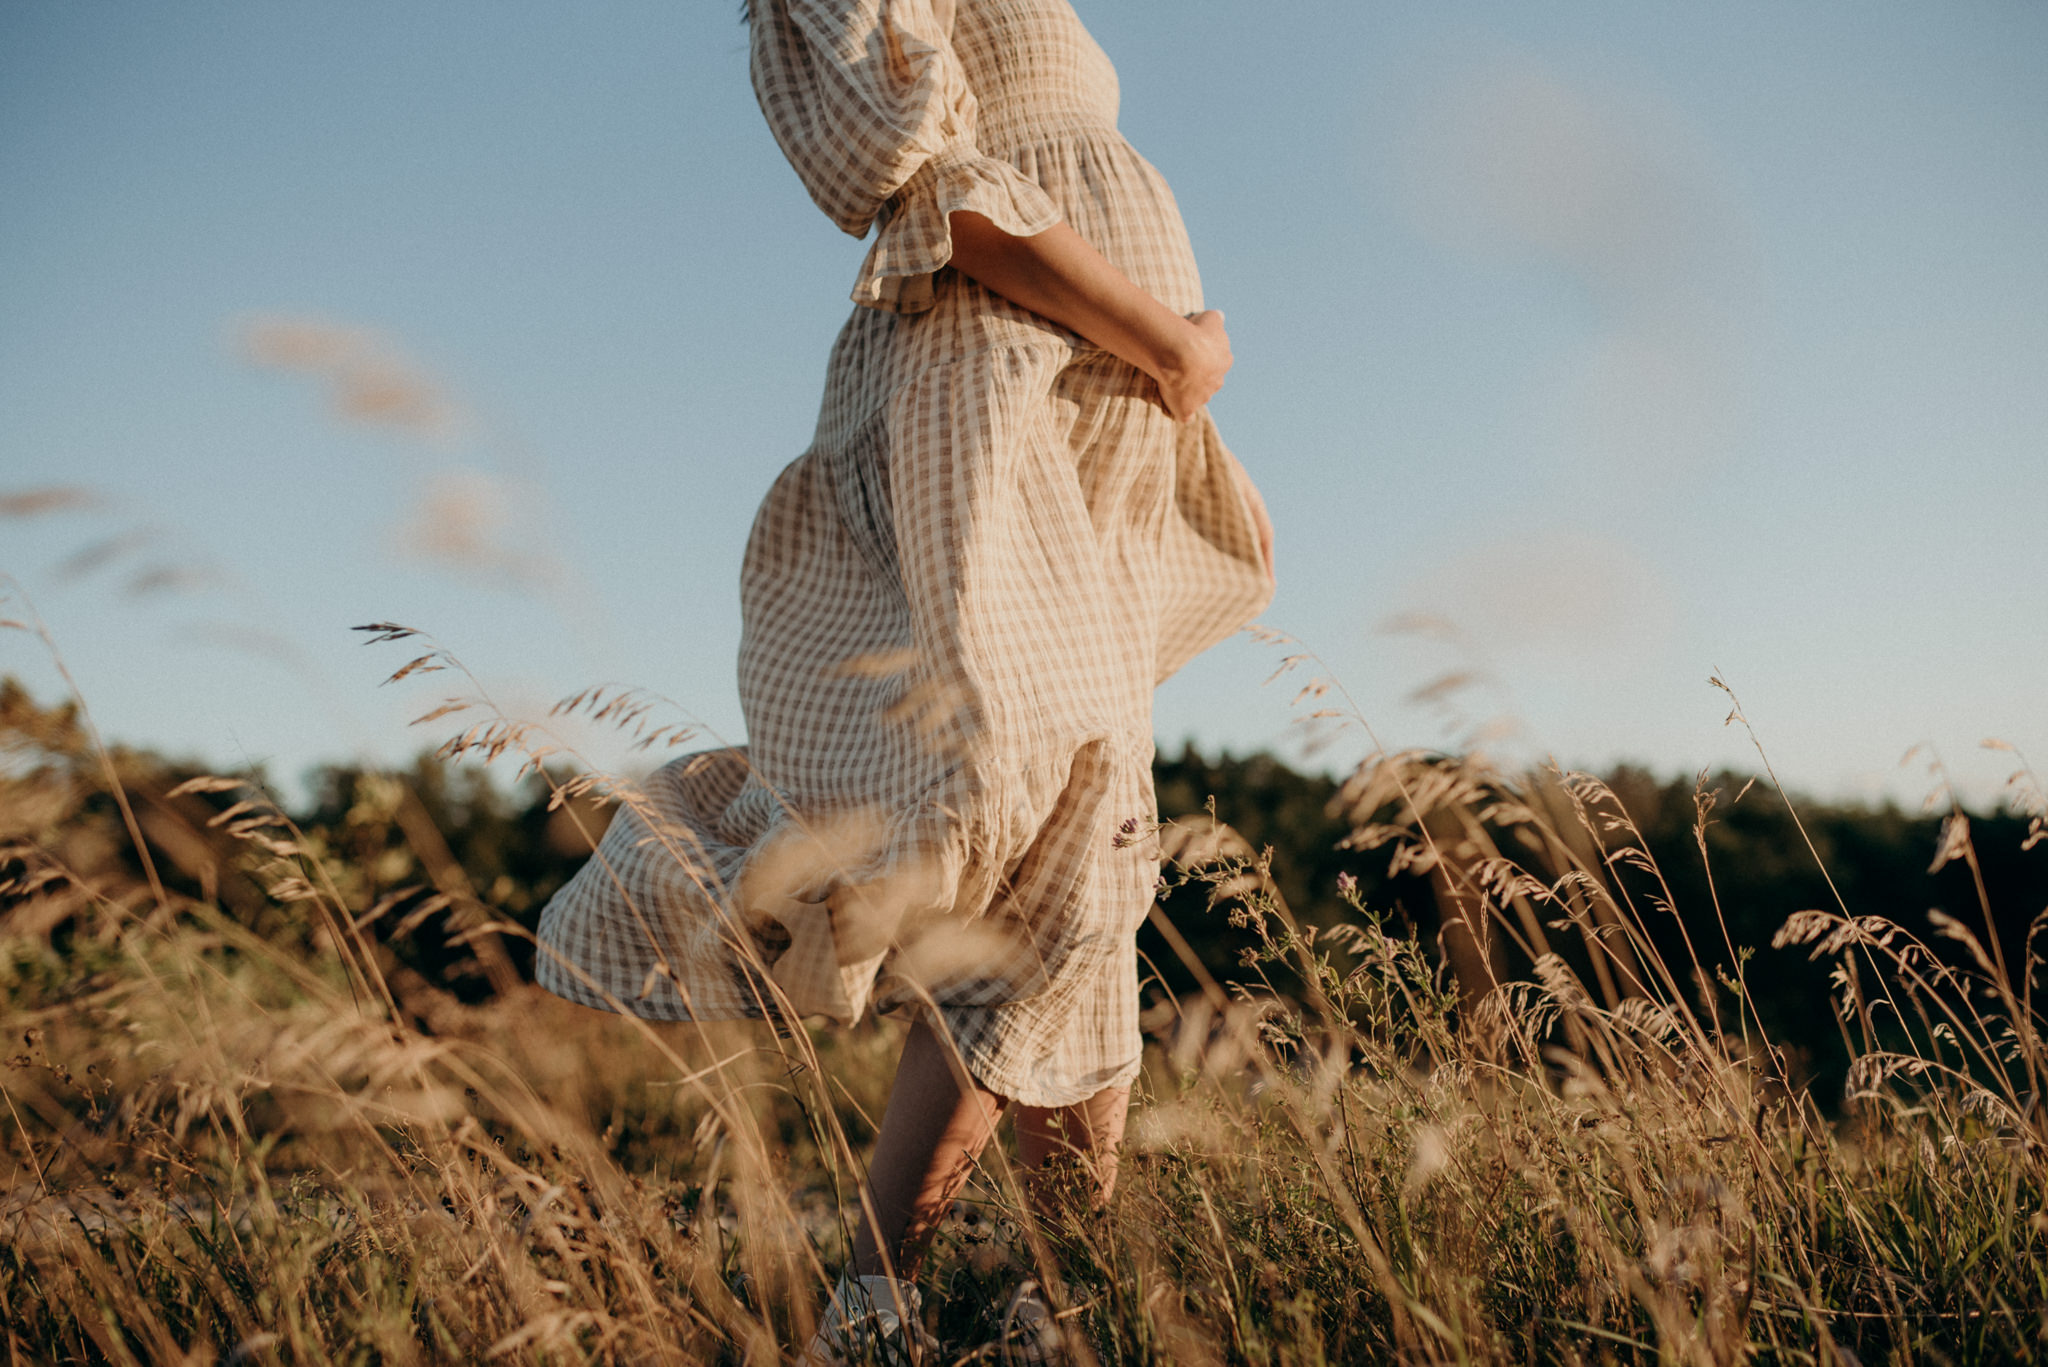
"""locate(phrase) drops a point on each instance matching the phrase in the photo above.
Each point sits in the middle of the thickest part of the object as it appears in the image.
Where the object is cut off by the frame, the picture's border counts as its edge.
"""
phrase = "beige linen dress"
(957, 602)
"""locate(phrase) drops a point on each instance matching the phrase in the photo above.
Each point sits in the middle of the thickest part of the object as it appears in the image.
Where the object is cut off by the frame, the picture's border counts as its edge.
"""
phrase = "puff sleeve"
(869, 102)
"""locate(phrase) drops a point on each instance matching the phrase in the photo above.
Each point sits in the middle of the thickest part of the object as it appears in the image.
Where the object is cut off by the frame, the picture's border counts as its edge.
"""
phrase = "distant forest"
(416, 846)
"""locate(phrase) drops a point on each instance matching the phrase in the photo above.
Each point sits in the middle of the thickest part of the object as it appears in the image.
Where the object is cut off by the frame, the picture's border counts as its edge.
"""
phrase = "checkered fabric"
(957, 602)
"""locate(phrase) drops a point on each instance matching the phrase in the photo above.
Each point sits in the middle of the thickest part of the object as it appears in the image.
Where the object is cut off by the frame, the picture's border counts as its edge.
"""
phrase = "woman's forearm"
(1058, 275)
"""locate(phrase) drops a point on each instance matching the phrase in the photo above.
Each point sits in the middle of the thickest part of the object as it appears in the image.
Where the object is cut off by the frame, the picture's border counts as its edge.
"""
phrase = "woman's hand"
(1196, 373)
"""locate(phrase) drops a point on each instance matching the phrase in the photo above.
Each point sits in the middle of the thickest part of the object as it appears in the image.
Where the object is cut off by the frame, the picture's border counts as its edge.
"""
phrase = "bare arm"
(1058, 275)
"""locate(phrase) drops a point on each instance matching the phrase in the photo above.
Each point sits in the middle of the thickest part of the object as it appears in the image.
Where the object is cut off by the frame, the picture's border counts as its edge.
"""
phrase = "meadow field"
(278, 1088)
(1576, 347)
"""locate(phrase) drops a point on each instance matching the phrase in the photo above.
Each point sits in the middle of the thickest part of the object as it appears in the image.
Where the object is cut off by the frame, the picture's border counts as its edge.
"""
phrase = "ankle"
(867, 1261)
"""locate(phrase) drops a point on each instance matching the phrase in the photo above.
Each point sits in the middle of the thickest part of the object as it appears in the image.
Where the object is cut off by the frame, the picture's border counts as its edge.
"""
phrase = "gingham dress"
(957, 602)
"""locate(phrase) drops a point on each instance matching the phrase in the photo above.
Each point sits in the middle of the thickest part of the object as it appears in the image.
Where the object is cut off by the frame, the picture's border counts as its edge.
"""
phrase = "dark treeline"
(418, 854)
(1762, 871)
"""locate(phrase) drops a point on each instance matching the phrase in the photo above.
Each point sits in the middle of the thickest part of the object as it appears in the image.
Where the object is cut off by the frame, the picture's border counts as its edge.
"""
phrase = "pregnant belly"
(1114, 198)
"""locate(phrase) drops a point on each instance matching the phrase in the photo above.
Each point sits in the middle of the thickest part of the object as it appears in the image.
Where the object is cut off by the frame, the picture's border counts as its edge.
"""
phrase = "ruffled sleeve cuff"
(916, 239)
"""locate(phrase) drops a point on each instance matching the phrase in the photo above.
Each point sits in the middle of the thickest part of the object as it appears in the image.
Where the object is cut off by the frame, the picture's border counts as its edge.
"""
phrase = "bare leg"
(936, 1125)
(1062, 1148)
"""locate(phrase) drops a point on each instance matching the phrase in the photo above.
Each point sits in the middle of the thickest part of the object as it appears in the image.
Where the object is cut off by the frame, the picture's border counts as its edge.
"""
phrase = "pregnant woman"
(1015, 519)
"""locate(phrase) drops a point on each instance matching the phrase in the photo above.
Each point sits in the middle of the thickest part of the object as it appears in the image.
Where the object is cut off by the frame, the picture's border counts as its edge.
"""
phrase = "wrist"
(1171, 345)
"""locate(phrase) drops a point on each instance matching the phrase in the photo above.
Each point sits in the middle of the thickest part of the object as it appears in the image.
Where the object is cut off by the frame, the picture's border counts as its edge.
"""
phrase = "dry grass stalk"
(240, 1129)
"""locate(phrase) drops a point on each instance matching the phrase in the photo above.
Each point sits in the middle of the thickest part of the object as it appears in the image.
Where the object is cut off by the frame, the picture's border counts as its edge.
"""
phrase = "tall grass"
(241, 1128)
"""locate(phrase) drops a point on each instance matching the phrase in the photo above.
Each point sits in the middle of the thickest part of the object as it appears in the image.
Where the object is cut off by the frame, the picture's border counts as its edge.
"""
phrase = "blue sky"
(1602, 345)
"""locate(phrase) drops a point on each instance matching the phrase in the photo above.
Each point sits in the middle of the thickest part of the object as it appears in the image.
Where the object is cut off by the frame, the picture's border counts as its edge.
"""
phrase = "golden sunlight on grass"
(246, 1123)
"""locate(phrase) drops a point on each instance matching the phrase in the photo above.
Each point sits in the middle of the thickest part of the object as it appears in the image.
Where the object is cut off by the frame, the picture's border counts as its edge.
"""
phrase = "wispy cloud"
(1550, 592)
(1513, 160)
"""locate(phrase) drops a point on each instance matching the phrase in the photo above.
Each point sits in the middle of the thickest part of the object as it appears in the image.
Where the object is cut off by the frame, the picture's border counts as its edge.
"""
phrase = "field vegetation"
(1446, 1065)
